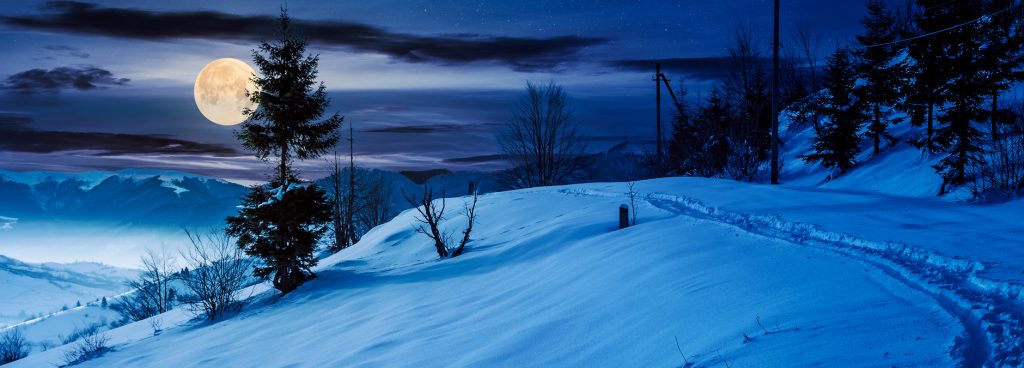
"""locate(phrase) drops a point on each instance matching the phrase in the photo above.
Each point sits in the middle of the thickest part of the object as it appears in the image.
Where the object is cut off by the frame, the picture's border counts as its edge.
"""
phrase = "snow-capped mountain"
(129, 197)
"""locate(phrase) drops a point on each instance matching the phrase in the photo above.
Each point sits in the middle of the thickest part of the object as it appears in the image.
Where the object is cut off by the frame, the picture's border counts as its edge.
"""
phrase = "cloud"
(522, 53)
(475, 159)
(424, 129)
(700, 68)
(7, 223)
(17, 136)
(54, 80)
(65, 50)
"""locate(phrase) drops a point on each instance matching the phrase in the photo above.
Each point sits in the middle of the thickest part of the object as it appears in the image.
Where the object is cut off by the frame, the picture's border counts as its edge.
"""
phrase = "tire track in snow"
(973, 348)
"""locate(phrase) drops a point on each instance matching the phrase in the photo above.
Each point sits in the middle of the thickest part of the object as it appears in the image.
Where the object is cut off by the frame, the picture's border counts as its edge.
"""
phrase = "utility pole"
(351, 189)
(657, 99)
(775, 97)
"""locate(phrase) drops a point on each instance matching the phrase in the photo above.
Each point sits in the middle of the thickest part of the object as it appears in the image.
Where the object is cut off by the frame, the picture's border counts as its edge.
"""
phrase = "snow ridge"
(994, 307)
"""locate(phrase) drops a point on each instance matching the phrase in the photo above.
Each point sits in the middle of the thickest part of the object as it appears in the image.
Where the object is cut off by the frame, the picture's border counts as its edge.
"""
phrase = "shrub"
(13, 346)
(216, 272)
(87, 348)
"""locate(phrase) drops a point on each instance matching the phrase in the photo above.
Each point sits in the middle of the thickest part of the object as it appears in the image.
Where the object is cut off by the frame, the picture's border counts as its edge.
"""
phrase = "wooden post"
(472, 187)
(623, 216)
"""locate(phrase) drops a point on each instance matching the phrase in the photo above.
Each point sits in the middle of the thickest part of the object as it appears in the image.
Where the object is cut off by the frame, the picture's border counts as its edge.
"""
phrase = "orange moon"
(220, 90)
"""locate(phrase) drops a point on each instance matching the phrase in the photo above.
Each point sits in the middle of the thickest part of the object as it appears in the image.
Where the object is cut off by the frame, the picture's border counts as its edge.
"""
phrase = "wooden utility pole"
(657, 99)
(351, 190)
(775, 97)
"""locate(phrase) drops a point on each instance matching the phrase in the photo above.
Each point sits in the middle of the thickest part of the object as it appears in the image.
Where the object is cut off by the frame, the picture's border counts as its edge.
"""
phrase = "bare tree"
(470, 210)
(431, 212)
(808, 44)
(13, 345)
(217, 271)
(430, 215)
(542, 140)
(376, 208)
(747, 88)
(152, 292)
(342, 205)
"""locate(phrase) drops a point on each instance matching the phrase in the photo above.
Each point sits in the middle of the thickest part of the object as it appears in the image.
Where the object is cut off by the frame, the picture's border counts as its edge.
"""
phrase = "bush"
(88, 348)
(152, 292)
(13, 346)
(216, 272)
(80, 332)
(1001, 177)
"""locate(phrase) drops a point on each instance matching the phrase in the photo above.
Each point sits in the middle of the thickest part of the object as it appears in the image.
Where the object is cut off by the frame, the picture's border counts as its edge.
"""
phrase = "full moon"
(220, 90)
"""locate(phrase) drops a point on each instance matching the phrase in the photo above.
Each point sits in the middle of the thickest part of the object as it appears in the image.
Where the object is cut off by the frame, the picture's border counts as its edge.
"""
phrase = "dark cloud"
(475, 159)
(423, 129)
(53, 80)
(700, 68)
(16, 135)
(65, 50)
(524, 53)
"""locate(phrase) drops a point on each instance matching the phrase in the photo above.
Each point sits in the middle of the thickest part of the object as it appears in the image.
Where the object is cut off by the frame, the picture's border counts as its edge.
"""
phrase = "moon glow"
(220, 90)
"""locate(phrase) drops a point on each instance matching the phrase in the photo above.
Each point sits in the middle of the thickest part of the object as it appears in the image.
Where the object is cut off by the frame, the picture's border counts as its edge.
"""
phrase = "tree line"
(946, 67)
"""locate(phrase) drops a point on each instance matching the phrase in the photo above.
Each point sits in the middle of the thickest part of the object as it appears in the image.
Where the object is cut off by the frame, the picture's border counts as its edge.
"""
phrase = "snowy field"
(738, 274)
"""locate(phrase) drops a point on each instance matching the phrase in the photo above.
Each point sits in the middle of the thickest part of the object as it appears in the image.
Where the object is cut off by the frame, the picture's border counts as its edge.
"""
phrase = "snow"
(28, 290)
(549, 281)
(91, 179)
(900, 169)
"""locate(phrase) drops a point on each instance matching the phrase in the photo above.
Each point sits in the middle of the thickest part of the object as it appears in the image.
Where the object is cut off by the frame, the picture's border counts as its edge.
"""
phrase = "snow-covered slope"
(28, 291)
(738, 274)
(900, 169)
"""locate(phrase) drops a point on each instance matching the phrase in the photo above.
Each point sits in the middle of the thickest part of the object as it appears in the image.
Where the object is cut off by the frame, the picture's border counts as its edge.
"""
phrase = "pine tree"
(881, 72)
(928, 70)
(965, 92)
(838, 143)
(1001, 57)
(684, 142)
(715, 117)
(282, 224)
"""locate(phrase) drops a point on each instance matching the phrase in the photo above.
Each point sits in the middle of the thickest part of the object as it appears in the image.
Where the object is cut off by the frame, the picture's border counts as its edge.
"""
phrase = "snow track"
(989, 312)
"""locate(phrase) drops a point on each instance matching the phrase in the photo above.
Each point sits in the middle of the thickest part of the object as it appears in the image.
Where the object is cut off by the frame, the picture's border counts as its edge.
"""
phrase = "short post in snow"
(472, 187)
(623, 216)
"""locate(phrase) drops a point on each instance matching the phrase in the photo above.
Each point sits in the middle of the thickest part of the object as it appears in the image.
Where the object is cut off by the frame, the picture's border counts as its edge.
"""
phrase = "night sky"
(107, 85)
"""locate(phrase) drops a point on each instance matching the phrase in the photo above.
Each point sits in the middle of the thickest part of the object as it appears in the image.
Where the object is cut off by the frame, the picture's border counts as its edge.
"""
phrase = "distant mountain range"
(128, 197)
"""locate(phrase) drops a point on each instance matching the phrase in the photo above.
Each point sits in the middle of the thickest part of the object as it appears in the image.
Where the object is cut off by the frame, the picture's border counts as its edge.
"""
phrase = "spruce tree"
(928, 70)
(699, 143)
(880, 70)
(1001, 57)
(281, 223)
(838, 143)
(715, 116)
(965, 92)
(684, 142)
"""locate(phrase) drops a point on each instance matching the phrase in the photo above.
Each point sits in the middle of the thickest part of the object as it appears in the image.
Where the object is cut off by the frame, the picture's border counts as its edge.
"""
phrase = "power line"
(929, 34)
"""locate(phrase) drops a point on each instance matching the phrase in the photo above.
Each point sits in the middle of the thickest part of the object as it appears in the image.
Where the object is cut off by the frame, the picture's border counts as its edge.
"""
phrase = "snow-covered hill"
(716, 273)
(29, 291)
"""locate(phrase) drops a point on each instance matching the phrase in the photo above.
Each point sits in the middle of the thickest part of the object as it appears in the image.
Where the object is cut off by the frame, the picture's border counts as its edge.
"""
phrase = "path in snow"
(951, 282)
